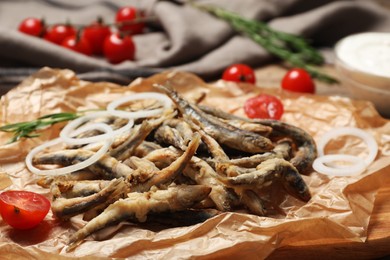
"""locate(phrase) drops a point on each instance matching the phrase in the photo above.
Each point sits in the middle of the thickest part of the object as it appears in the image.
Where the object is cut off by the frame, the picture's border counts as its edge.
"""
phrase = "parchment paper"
(339, 210)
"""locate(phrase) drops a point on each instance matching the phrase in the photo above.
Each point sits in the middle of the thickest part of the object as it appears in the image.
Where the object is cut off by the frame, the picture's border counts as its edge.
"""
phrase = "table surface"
(376, 246)
(378, 241)
(270, 76)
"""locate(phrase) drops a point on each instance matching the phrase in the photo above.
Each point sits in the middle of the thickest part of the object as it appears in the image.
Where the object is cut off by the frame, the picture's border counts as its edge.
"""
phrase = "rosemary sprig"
(291, 48)
(28, 129)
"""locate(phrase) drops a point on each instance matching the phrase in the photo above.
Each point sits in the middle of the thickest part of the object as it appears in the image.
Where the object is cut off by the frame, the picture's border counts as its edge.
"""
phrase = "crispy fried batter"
(179, 162)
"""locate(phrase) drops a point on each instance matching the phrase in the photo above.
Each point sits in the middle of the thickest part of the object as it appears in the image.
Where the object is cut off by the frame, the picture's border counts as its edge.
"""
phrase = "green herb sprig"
(28, 129)
(291, 48)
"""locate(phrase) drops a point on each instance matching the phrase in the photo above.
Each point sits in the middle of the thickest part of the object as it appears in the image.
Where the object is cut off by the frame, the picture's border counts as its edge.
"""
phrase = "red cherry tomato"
(239, 73)
(95, 34)
(23, 209)
(264, 106)
(32, 26)
(117, 49)
(298, 80)
(128, 14)
(58, 33)
(78, 45)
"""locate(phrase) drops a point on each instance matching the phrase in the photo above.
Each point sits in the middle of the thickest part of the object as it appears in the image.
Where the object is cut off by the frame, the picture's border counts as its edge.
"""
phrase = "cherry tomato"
(264, 106)
(298, 80)
(117, 49)
(80, 45)
(128, 14)
(57, 33)
(23, 209)
(239, 73)
(95, 34)
(32, 26)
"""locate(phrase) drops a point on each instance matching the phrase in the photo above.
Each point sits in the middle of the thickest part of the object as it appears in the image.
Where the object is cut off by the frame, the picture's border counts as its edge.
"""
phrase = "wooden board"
(376, 246)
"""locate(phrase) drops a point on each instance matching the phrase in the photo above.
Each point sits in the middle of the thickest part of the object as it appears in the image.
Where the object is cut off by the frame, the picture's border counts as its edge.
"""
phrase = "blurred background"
(178, 36)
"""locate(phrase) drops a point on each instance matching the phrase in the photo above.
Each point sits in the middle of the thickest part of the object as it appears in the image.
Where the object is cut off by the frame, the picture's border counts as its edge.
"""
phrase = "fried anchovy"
(183, 127)
(202, 173)
(167, 175)
(144, 169)
(226, 134)
(247, 197)
(145, 148)
(119, 193)
(107, 166)
(307, 150)
(168, 135)
(253, 202)
(276, 168)
(247, 126)
(185, 131)
(65, 208)
(72, 189)
(45, 182)
(126, 149)
(138, 205)
(282, 150)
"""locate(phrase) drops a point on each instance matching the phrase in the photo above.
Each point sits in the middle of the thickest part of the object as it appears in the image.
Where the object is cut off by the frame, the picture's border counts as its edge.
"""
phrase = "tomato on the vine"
(118, 48)
(298, 80)
(239, 73)
(23, 209)
(80, 45)
(264, 106)
(95, 34)
(32, 26)
(58, 33)
(130, 14)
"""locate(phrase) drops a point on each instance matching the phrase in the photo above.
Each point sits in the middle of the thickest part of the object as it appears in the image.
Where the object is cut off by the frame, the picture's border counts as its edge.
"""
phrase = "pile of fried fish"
(193, 161)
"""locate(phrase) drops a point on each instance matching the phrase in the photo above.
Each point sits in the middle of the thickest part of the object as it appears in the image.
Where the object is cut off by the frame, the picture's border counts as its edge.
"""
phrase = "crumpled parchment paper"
(339, 210)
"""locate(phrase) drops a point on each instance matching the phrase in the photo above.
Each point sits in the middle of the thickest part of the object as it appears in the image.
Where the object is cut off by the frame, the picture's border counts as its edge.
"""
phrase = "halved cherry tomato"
(80, 45)
(298, 80)
(118, 48)
(23, 209)
(58, 33)
(264, 106)
(32, 26)
(129, 14)
(239, 73)
(95, 34)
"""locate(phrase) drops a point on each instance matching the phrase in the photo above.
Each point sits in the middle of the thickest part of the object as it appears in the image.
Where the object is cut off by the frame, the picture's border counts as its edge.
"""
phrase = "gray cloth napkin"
(183, 38)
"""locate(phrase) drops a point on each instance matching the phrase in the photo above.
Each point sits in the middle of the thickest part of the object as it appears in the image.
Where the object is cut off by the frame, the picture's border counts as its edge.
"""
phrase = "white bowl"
(363, 65)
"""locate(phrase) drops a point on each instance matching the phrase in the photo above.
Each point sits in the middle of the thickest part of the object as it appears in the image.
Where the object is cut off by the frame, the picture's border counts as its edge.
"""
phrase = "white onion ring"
(75, 167)
(352, 131)
(165, 101)
(358, 165)
(71, 129)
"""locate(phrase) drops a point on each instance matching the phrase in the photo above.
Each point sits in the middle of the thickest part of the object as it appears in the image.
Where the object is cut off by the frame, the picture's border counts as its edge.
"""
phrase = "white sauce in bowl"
(367, 52)
(363, 66)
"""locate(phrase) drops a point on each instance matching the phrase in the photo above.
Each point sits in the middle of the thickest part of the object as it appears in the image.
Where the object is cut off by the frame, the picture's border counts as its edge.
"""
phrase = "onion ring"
(358, 165)
(75, 167)
(69, 138)
(166, 102)
(72, 129)
(366, 137)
